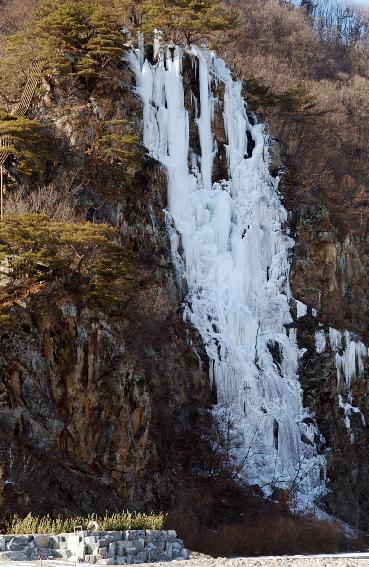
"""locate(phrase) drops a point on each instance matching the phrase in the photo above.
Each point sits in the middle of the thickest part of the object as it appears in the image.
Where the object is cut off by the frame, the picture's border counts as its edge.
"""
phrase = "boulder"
(42, 540)
(64, 553)
(135, 534)
(185, 553)
(13, 556)
(17, 543)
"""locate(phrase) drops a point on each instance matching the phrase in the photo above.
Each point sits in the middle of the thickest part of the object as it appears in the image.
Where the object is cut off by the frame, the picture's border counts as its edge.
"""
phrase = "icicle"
(301, 309)
(320, 342)
(349, 357)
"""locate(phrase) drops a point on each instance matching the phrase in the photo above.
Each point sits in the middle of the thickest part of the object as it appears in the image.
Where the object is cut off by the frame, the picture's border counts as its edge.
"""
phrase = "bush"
(47, 200)
(266, 535)
(115, 522)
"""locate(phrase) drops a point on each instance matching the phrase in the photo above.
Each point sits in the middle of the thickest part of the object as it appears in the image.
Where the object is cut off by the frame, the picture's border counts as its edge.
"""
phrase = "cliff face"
(105, 407)
(329, 266)
(100, 405)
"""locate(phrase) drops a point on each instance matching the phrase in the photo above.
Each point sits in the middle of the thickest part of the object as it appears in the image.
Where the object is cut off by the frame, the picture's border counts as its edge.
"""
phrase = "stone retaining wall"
(103, 548)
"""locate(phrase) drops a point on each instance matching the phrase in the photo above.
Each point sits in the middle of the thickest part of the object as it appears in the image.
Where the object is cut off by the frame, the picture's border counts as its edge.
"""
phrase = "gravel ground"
(359, 560)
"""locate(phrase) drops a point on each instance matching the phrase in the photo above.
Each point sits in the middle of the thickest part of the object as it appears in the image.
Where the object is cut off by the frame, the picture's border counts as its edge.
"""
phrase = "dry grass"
(13, 15)
(46, 525)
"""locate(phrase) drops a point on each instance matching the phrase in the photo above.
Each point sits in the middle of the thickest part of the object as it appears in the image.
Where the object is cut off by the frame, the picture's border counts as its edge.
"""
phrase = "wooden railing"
(20, 109)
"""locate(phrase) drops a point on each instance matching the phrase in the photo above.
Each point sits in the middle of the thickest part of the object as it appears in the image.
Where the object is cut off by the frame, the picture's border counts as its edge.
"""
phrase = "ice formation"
(301, 309)
(320, 342)
(349, 356)
(235, 261)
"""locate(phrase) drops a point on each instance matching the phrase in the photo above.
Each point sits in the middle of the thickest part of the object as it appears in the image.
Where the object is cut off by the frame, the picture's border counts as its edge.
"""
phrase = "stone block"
(81, 551)
(42, 540)
(73, 541)
(177, 545)
(13, 556)
(121, 560)
(142, 556)
(163, 536)
(172, 535)
(131, 551)
(121, 547)
(116, 536)
(64, 553)
(138, 544)
(160, 546)
(163, 556)
(130, 559)
(58, 542)
(152, 552)
(44, 551)
(90, 539)
(152, 535)
(169, 551)
(134, 534)
(185, 553)
(17, 543)
(90, 558)
(2, 544)
(102, 552)
(112, 551)
(104, 542)
(62, 545)
(92, 548)
(107, 561)
(31, 552)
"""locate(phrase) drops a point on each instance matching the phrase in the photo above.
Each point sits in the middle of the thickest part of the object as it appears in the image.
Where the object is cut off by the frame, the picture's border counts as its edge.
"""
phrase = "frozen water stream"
(235, 262)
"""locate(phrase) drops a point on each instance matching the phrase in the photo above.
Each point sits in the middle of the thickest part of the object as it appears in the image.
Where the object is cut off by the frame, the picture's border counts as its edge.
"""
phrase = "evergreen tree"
(118, 142)
(105, 44)
(188, 20)
(28, 147)
(42, 250)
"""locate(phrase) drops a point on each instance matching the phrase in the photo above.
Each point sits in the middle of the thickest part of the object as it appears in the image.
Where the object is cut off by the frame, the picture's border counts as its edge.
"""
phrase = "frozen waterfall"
(235, 261)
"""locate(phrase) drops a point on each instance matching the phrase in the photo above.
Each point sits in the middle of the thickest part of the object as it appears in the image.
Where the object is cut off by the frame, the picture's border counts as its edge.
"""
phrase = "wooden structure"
(20, 109)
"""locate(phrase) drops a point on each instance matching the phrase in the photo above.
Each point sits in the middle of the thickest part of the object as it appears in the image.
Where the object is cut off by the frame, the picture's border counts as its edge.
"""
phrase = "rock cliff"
(101, 407)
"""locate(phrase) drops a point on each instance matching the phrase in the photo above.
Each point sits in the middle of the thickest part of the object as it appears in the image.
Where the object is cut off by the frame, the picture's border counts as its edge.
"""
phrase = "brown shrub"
(267, 535)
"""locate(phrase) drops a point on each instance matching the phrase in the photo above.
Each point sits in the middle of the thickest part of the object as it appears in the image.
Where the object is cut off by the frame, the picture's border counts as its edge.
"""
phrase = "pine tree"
(28, 146)
(61, 32)
(118, 142)
(41, 250)
(106, 42)
(188, 20)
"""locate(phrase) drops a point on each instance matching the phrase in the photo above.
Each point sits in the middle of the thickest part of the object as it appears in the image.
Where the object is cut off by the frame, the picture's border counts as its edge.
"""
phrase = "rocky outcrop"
(101, 407)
